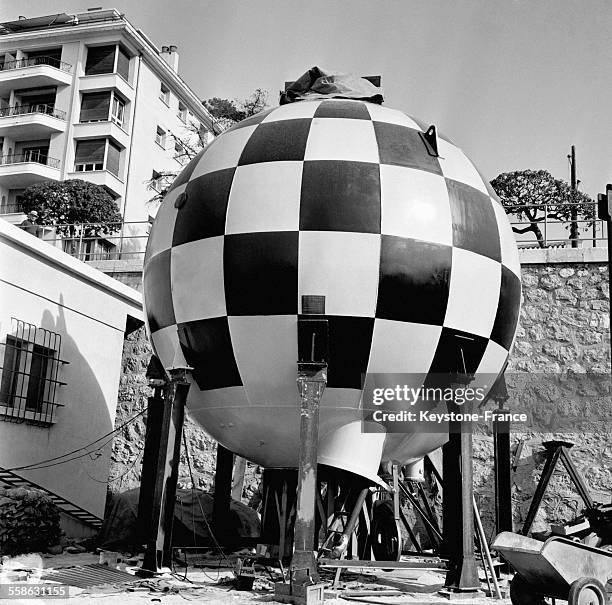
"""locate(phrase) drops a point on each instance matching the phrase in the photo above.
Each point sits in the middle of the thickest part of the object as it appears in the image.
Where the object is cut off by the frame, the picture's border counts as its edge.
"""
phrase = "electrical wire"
(37, 465)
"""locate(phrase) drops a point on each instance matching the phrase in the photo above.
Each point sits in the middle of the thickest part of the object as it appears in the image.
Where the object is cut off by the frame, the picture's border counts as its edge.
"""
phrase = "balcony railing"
(29, 156)
(21, 63)
(22, 110)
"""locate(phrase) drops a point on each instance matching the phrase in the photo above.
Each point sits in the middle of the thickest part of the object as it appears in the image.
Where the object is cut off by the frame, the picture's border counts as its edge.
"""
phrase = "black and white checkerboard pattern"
(337, 198)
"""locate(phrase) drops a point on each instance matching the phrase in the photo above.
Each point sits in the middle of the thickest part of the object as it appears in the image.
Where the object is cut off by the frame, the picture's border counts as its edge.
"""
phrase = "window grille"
(30, 374)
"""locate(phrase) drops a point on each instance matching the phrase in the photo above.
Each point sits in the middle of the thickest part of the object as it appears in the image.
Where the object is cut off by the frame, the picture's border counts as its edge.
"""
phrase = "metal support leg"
(458, 489)
(159, 534)
(503, 476)
(222, 498)
(311, 384)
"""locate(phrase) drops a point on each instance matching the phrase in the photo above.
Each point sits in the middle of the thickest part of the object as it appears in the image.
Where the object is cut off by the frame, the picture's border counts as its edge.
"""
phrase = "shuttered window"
(123, 64)
(95, 106)
(90, 155)
(112, 158)
(100, 60)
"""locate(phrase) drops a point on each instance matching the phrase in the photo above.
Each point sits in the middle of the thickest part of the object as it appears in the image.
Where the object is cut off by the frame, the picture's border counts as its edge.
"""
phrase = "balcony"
(103, 177)
(19, 171)
(101, 130)
(98, 82)
(31, 121)
(34, 73)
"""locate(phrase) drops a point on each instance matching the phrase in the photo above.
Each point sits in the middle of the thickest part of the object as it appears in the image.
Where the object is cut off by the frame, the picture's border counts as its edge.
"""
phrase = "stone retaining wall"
(564, 328)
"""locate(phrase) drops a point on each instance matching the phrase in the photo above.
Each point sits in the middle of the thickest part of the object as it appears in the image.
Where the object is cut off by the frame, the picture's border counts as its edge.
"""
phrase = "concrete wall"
(41, 285)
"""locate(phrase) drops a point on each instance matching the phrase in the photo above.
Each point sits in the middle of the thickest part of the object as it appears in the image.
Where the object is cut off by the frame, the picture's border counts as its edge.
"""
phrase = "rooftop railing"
(29, 156)
(22, 110)
(35, 61)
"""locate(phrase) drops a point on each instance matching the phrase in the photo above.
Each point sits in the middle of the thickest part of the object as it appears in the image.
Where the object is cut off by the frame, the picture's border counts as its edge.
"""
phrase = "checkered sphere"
(339, 198)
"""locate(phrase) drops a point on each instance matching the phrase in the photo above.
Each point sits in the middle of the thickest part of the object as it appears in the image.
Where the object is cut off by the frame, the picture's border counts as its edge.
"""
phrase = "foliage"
(234, 110)
(66, 203)
(535, 196)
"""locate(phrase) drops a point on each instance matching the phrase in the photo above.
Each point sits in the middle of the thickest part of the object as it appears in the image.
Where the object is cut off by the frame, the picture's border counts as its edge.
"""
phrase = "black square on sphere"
(252, 120)
(203, 214)
(261, 273)
(342, 109)
(284, 140)
(403, 146)
(207, 347)
(507, 309)
(414, 280)
(350, 340)
(457, 352)
(474, 223)
(340, 196)
(157, 292)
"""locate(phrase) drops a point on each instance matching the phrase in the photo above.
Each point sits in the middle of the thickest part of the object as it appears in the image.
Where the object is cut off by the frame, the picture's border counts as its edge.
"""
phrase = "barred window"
(30, 374)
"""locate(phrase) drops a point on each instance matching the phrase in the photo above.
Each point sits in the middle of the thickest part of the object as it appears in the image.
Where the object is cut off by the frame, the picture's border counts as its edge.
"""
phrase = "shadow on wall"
(83, 418)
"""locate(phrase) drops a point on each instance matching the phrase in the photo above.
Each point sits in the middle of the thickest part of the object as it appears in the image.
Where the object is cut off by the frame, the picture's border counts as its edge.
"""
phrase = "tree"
(235, 111)
(65, 204)
(535, 196)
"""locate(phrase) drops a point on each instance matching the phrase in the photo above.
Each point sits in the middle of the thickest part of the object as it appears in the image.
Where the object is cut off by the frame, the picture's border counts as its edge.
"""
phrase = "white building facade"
(89, 96)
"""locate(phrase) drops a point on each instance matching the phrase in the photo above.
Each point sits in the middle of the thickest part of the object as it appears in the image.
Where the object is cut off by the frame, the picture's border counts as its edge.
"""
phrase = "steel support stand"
(165, 472)
(458, 509)
(312, 379)
(555, 451)
(502, 462)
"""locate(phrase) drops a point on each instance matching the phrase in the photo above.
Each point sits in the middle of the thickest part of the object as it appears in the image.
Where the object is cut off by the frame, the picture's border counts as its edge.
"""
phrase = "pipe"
(343, 541)
(484, 546)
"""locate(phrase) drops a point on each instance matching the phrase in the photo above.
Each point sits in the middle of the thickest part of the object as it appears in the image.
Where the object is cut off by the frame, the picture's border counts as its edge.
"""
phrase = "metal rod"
(484, 546)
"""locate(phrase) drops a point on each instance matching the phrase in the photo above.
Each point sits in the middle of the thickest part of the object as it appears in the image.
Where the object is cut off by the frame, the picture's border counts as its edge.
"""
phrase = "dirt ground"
(214, 585)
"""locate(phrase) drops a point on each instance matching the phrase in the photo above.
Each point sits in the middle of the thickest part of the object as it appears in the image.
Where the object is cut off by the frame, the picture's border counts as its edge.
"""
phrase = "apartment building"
(90, 96)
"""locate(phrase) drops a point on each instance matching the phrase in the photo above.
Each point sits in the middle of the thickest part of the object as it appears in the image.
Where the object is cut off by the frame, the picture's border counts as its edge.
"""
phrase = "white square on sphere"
(343, 267)
(196, 274)
(402, 347)
(168, 347)
(342, 139)
(456, 165)
(415, 204)
(380, 113)
(474, 293)
(265, 197)
(224, 152)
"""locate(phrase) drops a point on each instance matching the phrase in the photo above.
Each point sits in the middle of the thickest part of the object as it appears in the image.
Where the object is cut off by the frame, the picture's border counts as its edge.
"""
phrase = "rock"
(57, 549)
(75, 549)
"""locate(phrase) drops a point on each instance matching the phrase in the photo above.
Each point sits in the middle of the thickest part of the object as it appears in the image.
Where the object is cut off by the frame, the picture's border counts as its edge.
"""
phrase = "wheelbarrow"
(558, 568)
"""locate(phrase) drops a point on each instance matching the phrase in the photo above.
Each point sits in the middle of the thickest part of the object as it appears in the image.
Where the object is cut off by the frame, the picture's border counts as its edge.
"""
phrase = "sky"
(514, 83)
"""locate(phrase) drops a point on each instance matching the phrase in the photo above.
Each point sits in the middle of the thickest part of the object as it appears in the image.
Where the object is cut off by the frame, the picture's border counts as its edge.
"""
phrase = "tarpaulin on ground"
(317, 83)
(120, 529)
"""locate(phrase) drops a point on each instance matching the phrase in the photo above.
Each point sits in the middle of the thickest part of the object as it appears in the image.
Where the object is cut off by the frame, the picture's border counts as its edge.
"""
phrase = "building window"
(180, 152)
(160, 137)
(113, 156)
(118, 110)
(107, 60)
(90, 155)
(164, 93)
(30, 374)
(95, 106)
(97, 154)
(182, 112)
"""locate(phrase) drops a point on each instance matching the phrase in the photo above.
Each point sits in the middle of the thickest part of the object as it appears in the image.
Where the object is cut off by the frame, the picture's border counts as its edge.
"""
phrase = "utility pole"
(574, 210)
